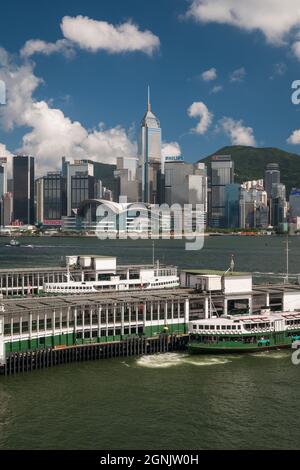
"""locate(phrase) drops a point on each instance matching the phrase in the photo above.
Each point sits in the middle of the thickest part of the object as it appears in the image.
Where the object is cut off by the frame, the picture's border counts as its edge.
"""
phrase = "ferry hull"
(196, 349)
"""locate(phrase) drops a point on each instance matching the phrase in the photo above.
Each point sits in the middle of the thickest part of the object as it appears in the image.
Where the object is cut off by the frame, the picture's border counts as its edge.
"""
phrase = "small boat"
(14, 242)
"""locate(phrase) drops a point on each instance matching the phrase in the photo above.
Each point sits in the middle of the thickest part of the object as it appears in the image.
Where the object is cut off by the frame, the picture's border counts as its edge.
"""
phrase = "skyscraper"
(79, 181)
(222, 174)
(3, 176)
(272, 176)
(23, 189)
(150, 156)
(51, 198)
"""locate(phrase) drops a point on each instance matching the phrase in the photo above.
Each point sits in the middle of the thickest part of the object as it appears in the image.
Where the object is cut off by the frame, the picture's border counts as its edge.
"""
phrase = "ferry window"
(233, 327)
(212, 327)
(207, 327)
(223, 327)
(228, 327)
(7, 329)
(24, 326)
(195, 327)
(239, 327)
(218, 327)
(200, 327)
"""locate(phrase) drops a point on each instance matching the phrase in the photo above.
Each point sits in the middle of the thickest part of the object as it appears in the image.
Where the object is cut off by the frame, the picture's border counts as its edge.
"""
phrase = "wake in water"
(271, 354)
(164, 361)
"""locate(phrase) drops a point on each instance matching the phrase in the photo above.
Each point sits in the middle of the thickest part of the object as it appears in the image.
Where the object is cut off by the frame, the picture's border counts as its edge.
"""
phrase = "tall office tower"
(176, 173)
(278, 204)
(23, 189)
(80, 182)
(222, 173)
(7, 209)
(51, 198)
(272, 176)
(126, 177)
(39, 200)
(3, 176)
(150, 156)
(232, 204)
(294, 201)
(254, 210)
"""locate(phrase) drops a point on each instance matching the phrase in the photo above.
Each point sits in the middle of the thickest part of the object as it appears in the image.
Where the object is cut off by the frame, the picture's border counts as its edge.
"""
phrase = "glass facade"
(55, 203)
(272, 176)
(23, 189)
(82, 188)
(222, 174)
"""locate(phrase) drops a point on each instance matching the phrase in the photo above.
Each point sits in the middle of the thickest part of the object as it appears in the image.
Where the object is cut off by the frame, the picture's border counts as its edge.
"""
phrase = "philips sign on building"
(178, 158)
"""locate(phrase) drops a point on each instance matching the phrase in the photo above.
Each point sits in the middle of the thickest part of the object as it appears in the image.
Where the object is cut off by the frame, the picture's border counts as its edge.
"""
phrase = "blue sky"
(101, 86)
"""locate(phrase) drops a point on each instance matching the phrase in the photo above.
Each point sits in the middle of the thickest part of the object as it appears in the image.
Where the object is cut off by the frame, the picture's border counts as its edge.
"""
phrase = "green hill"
(250, 163)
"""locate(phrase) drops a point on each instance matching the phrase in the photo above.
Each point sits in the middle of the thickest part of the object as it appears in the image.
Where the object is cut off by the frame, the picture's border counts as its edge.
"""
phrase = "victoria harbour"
(149, 230)
(166, 401)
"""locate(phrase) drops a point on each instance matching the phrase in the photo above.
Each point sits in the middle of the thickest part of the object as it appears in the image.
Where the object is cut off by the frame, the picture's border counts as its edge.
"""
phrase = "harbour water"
(168, 401)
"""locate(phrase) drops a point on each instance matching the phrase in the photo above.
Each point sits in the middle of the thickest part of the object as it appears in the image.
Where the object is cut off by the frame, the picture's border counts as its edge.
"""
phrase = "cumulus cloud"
(199, 109)
(274, 18)
(171, 149)
(209, 75)
(4, 152)
(238, 133)
(52, 134)
(37, 46)
(294, 138)
(238, 75)
(96, 35)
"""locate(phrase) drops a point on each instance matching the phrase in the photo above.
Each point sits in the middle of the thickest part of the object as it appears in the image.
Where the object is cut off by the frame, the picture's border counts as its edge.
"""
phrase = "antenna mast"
(149, 103)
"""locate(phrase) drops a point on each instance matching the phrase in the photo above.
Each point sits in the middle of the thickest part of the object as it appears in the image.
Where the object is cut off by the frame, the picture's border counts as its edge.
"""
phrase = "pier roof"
(12, 306)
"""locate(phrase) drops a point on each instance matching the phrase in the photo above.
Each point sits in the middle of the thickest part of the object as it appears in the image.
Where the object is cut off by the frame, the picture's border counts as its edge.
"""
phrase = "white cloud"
(296, 49)
(238, 75)
(274, 18)
(52, 134)
(171, 149)
(294, 138)
(209, 75)
(237, 132)
(217, 89)
(199, 109)
(279, 70)
(4, 152)
(37, 46)
(96, 35)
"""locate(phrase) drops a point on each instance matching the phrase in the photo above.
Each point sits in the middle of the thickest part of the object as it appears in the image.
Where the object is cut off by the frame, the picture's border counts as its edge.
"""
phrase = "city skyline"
(54, 104)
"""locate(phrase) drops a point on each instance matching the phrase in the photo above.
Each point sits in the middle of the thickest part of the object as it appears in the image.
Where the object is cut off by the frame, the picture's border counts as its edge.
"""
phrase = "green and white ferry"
(245, 333)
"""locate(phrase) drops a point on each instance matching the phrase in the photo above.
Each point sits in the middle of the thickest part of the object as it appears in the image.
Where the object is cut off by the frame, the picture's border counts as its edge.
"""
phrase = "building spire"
(149, 103)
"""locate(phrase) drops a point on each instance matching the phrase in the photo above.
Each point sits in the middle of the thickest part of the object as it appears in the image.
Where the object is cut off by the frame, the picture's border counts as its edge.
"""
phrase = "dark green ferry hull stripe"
(239, 350)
